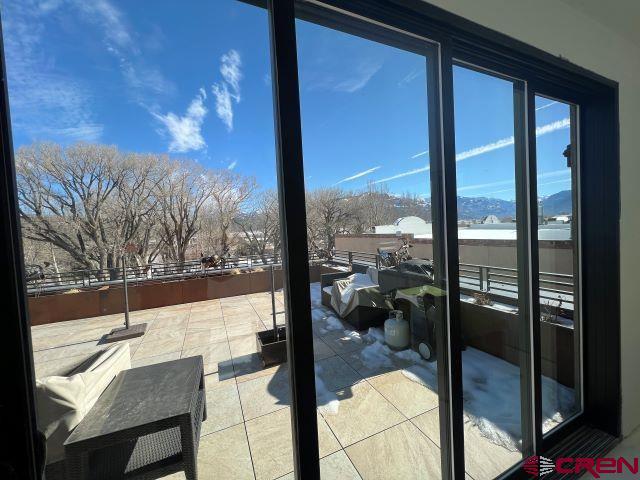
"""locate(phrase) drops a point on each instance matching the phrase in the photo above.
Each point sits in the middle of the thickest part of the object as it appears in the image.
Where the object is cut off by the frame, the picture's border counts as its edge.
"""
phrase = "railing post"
(482, 277)
(487, 278)
(350, 258)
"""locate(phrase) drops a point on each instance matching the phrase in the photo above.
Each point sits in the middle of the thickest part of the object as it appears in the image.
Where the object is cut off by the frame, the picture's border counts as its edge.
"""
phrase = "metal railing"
(50, 282)
(483, 278)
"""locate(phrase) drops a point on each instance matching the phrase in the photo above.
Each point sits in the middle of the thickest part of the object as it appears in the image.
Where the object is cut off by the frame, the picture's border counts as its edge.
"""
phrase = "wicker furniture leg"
(203, 388)
(189, 448)
(77, 466)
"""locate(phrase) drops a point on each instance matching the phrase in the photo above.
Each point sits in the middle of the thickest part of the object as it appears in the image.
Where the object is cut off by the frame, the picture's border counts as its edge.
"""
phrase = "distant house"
(404, 225)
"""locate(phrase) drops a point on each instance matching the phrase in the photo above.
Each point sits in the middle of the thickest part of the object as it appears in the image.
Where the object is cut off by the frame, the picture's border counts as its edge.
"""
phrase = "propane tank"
(396, 331)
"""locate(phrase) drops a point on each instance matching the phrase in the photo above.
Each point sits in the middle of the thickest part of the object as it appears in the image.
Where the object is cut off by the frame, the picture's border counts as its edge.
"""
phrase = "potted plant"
(272, 344)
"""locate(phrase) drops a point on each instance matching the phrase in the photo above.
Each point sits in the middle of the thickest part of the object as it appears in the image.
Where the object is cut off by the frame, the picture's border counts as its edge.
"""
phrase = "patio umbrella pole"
(126, 293)
(128, 331)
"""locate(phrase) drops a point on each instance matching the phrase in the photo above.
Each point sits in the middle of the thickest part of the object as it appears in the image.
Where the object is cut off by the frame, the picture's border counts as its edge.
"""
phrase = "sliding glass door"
(488, 249)
(400, 299)
(557, 163)
(368, 106)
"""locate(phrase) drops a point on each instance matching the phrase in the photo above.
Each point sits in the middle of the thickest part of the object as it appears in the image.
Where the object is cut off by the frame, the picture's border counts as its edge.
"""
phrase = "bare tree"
(65, 195)
(329, 212)
(181, 195)
(372, 207)
(229, 194)
(261, 225)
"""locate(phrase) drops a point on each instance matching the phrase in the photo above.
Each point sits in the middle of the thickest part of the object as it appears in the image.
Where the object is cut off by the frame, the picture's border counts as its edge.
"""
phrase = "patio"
(377, 409)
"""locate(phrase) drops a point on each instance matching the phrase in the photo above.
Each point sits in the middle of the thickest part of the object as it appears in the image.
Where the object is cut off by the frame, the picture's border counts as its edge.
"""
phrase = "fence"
(484, 278)
(53, 282)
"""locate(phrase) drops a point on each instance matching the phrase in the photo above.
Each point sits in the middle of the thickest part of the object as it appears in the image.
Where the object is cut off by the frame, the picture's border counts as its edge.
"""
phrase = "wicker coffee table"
(145, 424)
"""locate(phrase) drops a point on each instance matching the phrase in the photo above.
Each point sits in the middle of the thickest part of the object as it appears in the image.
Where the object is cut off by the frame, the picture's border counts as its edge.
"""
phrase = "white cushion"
(62, 402)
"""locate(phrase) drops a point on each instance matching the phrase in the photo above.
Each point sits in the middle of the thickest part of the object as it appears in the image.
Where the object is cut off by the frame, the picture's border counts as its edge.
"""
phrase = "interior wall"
(603, 44)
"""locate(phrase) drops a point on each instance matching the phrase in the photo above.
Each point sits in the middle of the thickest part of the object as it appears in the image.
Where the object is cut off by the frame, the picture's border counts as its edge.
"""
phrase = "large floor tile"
(212, 355)
(163, 334)
(243, 329)
(223, 408)
(336, 466)
(199, 323)
(204, 315)
(335, 373)
(265, 394)
(175, 322)
(166, 357)
(429, 424)
(361, 412)
(199, 337)
(401, 452)
(250, 367)
(321, 350)
(243, 345)
(343, 342)
(406, 394)
(271, 448)
(153, 348)
(225, 455)
(73, 350)
(483, 458)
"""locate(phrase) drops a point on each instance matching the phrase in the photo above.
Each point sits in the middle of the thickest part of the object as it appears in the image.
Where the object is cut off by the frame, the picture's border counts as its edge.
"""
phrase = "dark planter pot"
(271, 350)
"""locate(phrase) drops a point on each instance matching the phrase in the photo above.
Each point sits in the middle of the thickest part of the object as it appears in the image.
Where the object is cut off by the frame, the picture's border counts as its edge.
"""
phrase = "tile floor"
(373, 421)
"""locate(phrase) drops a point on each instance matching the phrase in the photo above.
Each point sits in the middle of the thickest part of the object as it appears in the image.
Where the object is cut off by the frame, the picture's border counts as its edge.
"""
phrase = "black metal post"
(126, 292)
(449, 328)
(528, 276)
(293, 224)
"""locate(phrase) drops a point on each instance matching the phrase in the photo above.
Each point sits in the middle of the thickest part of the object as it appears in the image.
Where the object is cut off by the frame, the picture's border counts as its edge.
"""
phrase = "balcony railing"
(482, 278)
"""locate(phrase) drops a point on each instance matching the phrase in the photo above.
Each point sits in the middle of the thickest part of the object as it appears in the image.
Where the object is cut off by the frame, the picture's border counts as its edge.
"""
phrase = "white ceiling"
(623, 16)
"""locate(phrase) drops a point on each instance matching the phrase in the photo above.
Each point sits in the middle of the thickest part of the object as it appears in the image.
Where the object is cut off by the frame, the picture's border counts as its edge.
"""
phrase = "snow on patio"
(491, 385)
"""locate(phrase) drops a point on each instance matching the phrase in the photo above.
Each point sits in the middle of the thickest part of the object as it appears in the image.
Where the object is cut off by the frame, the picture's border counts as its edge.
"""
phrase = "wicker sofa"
(64, 398)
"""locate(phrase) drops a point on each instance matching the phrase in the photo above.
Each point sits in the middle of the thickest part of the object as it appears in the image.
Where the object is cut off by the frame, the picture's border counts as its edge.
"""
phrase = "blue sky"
(193, 80)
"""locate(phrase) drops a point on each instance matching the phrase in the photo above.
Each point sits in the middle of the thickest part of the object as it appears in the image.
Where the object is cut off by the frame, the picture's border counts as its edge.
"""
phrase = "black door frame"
(459, 39)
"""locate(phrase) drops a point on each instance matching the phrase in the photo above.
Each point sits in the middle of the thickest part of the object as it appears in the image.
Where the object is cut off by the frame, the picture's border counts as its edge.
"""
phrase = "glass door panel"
(557, 164)
(144, 149)
(366, 118)
(488, 255)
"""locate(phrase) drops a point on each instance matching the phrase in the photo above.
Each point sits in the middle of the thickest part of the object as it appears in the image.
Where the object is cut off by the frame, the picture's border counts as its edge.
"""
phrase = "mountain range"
(470, 208)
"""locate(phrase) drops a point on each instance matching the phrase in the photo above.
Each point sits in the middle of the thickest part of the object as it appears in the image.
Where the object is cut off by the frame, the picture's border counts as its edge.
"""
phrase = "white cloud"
(110, 20)
(123, 44)
(489, 147)
(547, 105)
(474, 152)
(420, 154)
(185, 131)
(232, 165)
(411, 76)
(230, 65)
(224, 104)
(358, 175)
(227, 91)
(359, 78)
(403, 174)
(45, 103)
